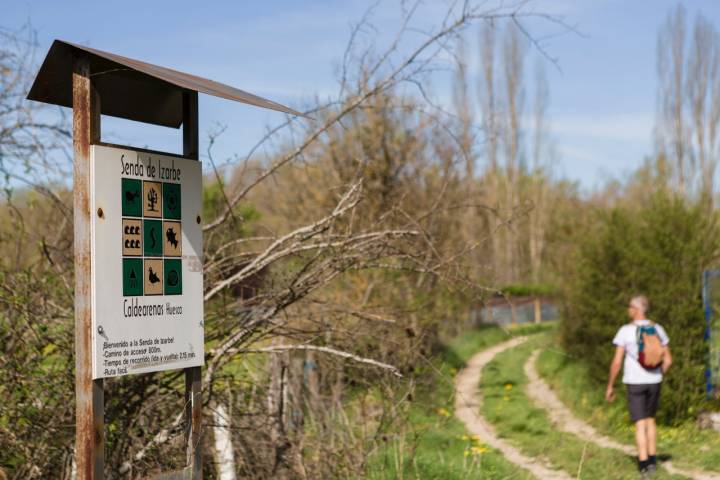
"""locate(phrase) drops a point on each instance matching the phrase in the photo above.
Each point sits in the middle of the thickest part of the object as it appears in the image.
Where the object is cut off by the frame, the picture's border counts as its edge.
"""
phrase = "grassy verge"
(517, 419)
(686, 445)
(433, 443)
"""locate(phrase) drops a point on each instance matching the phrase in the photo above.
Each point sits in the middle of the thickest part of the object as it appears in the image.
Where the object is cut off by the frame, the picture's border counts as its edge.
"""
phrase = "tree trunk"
(224, 453)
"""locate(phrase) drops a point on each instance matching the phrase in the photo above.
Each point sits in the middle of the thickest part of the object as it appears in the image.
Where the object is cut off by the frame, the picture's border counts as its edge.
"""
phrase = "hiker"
(644, 345)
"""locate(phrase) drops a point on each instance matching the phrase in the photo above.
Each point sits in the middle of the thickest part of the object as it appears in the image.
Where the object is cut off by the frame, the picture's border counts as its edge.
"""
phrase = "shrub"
(659, 249)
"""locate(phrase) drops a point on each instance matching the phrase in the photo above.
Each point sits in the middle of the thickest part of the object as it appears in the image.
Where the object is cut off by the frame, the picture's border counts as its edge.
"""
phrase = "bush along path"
(506, 418)
(562, 418)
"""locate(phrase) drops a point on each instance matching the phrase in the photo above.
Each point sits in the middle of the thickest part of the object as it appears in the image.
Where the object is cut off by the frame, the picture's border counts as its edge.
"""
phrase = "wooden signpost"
(155, 264)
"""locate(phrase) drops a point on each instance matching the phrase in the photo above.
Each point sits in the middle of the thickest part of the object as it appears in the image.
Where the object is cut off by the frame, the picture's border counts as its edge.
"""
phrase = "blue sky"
(602, 96)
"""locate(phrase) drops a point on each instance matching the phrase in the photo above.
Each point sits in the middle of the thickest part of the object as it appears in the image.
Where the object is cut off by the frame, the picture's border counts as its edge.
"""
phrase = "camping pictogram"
(153, 238)
(153, 276)
(172, 204)
(132, 270)
(131, 197)
(131, 237)
(173, 277)
(172, 239)
(152, 199)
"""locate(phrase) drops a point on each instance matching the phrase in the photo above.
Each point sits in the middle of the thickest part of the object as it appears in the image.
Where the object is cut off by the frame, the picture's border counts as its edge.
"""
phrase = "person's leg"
(651, 436)
(641, 439)
(653, 400)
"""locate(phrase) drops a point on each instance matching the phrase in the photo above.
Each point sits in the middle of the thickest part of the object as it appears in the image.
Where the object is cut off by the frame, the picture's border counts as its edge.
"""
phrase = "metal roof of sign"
(130, 88)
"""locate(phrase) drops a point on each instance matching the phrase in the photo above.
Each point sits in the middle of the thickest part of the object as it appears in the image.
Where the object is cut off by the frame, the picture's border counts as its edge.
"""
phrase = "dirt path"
(467, 408)
(543, 396)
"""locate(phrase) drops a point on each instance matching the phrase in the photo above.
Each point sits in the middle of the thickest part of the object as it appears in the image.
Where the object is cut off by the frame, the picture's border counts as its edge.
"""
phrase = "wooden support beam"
(89, 414)
(191, 142)
(193, 378)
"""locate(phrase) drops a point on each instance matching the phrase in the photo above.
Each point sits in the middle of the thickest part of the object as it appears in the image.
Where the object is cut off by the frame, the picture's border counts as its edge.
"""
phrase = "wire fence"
(514, 311)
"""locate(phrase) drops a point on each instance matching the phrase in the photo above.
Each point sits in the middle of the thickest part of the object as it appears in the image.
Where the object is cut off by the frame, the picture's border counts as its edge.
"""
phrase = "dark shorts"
(643, 400)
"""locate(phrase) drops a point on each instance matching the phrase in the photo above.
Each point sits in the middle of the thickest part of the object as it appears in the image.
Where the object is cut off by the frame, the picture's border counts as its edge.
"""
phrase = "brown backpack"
(650, 349)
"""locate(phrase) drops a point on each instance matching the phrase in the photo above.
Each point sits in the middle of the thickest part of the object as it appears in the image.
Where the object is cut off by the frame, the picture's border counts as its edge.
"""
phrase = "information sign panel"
(147, 310)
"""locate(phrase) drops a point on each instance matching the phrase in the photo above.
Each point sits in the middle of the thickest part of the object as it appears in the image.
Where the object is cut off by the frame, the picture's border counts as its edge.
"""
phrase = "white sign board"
(147, 308)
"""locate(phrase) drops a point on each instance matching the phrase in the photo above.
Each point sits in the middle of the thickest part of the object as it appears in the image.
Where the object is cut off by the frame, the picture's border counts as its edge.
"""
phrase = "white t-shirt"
(633, 372)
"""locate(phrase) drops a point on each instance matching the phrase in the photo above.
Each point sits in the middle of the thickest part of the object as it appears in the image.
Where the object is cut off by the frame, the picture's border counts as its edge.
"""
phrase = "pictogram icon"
(153, 277)
(173, 277)
(131, 237)
(172, 239)
(152, 238)
(172, 206)
(132, 277)
(152, 199)
(131, 197)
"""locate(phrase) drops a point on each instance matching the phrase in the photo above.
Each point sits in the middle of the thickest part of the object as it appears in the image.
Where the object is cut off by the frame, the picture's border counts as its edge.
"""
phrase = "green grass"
(517, 419)
(433, 443)
(685, 444)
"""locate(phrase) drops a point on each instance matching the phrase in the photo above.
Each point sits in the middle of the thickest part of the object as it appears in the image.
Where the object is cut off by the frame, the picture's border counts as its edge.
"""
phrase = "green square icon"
(131, 197)
(173, 277)
(132, 277)
(171, 201)
(152, 238)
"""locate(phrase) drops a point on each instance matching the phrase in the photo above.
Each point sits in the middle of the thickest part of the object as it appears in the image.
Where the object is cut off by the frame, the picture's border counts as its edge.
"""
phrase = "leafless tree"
(688, 98)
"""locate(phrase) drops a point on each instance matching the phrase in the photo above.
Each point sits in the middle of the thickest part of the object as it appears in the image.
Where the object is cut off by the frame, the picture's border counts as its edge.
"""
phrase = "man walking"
(644, 346)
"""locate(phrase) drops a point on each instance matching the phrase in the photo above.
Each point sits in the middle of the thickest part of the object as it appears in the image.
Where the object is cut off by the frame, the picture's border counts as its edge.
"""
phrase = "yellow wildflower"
(508, 386)
(443, 412)
(478, 450)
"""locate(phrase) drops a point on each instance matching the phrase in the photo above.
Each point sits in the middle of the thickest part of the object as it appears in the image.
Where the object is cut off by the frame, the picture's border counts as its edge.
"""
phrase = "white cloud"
(629, 127)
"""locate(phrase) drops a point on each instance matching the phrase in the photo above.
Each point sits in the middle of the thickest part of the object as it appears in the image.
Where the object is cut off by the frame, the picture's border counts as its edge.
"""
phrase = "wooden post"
(89, 413)
(193, 379)
(538, 309)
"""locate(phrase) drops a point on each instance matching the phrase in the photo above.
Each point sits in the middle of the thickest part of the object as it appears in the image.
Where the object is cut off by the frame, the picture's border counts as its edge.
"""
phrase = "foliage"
(659, 249)
(529, 289)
